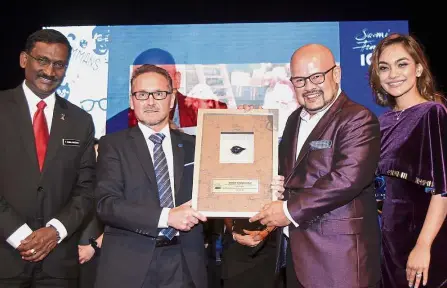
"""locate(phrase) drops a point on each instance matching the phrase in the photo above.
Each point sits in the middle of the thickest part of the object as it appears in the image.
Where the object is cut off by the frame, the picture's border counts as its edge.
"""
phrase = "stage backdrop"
(244, 63)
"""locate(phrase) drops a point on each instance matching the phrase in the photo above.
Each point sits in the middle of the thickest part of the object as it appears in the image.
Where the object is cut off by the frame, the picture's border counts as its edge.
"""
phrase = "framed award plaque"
(236, 158)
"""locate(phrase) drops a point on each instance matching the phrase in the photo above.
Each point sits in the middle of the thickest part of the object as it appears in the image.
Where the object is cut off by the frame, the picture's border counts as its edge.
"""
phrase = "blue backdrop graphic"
(357, 42)
(254, 56)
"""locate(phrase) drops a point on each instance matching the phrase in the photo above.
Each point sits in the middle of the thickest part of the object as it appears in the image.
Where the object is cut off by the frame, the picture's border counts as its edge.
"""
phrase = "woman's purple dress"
(413, 164)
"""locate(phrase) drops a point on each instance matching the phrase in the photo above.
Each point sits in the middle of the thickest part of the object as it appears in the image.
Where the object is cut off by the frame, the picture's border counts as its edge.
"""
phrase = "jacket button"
(40, 189)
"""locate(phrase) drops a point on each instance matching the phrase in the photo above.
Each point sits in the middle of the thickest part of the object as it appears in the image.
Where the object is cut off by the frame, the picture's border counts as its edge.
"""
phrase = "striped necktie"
(163, 182)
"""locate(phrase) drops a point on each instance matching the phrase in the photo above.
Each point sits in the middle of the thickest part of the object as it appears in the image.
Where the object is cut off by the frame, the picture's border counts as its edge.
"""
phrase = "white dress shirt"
(24, 230)
(167, 149)
(308, 123)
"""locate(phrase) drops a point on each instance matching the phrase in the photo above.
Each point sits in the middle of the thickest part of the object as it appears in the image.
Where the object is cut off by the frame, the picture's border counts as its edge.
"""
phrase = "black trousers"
(168, 269)
(34, 277)
(291, 280)
(87, 273)
(251, 278)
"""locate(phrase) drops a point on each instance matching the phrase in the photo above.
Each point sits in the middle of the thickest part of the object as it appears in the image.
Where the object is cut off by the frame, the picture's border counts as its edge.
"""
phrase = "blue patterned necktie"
(163, 182)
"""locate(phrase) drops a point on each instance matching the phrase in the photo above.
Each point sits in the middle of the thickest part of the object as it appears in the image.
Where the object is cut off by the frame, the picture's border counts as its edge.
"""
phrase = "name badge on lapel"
(71, 142)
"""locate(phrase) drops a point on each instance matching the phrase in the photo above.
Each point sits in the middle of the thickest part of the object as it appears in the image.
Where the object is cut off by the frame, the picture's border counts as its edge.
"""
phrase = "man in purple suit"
(327, 158)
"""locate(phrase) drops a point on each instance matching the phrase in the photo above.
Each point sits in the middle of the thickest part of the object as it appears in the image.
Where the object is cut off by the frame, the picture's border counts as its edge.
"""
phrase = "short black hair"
(49, 36)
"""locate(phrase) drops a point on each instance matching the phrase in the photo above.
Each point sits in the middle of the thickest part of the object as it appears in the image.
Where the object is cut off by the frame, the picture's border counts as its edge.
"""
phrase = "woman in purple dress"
(413, 165)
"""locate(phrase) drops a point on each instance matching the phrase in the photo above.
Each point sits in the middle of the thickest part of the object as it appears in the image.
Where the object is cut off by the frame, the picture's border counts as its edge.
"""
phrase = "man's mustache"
(47, 77)
(313, 91)
(151, 109)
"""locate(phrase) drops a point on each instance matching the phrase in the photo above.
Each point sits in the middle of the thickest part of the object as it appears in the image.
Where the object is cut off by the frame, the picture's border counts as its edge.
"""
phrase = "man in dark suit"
(89, 250)
(328, 155)
(89, 247)
(152, 236)
(47, 171)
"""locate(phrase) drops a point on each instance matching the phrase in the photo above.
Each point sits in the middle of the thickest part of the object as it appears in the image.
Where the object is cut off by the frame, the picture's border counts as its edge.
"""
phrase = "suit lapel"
(292, 139)
(20, 114)
(179, 160)
(143, 155)
(318, 131)
(58, 126)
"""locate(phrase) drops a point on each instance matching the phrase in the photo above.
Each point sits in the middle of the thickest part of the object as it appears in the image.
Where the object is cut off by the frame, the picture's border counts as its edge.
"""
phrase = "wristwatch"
(95, 246)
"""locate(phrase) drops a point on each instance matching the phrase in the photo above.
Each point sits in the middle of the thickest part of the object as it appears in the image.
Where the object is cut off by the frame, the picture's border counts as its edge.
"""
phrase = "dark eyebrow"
(41, 56)
(403, 58)
(45, 57)
(398, 60)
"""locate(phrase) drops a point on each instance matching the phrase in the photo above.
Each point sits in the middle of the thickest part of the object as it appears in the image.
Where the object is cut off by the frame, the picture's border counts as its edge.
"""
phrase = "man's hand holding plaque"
(254, 237)
(184, 218)
(272, 214)
(277, 186)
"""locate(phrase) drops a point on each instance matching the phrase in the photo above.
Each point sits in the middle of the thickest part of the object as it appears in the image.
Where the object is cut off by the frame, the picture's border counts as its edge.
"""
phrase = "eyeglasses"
(45, 62)
(89, 104)
(144, 95)
(316, 78)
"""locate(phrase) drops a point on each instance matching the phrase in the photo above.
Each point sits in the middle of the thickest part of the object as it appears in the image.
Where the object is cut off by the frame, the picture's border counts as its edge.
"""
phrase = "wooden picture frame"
(236, 158)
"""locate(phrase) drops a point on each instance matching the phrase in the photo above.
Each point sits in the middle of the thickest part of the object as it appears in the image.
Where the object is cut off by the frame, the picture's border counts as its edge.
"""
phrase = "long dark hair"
(425, 83)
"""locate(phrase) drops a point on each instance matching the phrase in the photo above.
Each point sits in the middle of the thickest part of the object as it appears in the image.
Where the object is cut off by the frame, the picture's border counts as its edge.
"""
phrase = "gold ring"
(33, 251)
(419, 274)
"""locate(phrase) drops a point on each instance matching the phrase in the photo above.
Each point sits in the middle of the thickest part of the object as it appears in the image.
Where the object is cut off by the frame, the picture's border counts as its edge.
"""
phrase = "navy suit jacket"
(129, 206)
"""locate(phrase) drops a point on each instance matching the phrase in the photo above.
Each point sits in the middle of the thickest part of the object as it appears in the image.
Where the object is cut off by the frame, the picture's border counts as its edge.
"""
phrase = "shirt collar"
(33, 99)
(306, 116)
(147, 132)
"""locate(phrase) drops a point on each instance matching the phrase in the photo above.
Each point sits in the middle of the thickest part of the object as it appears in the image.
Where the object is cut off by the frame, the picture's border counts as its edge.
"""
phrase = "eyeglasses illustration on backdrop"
(89, 104)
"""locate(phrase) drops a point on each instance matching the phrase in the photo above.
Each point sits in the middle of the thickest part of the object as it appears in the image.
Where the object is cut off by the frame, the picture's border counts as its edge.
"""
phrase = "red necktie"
(40, 128)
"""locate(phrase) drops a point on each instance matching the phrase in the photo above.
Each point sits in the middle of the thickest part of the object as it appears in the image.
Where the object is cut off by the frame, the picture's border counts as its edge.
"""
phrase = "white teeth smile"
(45, 80)
(395, 84)
(312, 96)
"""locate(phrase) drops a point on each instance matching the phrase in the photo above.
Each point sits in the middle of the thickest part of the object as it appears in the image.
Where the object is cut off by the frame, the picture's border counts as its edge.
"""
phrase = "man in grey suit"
(47, 171)
(152, 236)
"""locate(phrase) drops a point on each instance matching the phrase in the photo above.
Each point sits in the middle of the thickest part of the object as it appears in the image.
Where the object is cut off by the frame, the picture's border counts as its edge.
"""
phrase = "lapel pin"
(180, 145)
(62, 116)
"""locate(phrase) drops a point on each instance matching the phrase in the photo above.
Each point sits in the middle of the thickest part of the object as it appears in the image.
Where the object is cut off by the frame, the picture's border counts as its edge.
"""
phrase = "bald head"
(315, 76)
(313, 55)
